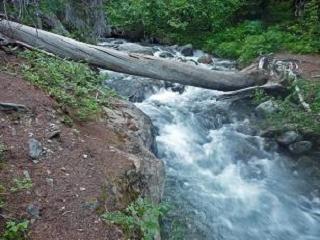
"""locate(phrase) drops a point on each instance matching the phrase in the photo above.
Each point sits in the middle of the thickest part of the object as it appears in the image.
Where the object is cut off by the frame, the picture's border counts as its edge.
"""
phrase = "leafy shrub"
(177, 17)
(290, 110)
(251, 39)
(77, 88)
(15, 231)
(140, 217)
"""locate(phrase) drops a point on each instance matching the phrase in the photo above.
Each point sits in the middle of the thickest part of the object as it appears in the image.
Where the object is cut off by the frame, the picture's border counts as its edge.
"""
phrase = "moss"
(73, 85)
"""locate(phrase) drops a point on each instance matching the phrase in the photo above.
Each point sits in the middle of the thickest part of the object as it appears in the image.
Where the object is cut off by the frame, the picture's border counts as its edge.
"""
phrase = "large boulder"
(300, 147)
(166, 55)
(187, 50)
(266, 108)
(146, 177)
(136, 89)
(288, 138)
(205, 59)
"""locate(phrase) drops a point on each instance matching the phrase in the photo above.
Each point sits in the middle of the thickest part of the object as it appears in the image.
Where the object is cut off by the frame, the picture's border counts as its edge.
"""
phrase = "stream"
(223, 180)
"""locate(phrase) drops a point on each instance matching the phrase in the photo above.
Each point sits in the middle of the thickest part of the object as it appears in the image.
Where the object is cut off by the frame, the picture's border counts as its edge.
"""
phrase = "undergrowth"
(76, 87)
(235, 29)
(15, 230)
(139, 218)
(290, 111)
(252, 38)
(21, 184)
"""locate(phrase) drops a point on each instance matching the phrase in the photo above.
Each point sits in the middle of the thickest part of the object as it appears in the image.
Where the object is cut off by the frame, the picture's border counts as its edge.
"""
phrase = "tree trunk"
(87, 16)
(134, 64)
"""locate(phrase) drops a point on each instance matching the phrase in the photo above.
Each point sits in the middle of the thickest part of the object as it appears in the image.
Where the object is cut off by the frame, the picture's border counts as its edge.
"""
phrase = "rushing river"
(222, 179)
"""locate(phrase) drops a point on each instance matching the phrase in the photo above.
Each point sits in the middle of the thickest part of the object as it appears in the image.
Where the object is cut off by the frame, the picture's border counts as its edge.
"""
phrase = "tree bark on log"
(134, 64)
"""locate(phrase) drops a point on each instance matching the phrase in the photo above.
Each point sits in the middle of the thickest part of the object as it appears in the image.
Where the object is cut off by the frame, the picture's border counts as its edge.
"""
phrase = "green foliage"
(260, 96)
(173, 17)
(291, 113)
(21, 184)
(263, 26)
(15, 231)
(311, 17)
(76, 88)
(251, 39)
(140, 217)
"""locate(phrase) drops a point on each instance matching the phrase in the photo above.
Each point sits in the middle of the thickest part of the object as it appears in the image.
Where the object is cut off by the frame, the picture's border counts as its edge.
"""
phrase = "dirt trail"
(73, 180)
(309, 64)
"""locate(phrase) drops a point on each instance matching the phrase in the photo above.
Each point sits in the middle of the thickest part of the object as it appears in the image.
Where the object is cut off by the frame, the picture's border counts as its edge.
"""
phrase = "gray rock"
(49, 181)
(187, 50)
(12, 107)
(34, 211)
(136, 89)
(35, 148)
(166, 55)
(148, 173)
(118, 42)
(266, 108)
(205, 59)
(300, 147)
(92, 205)
(289, 137)
(270, 132)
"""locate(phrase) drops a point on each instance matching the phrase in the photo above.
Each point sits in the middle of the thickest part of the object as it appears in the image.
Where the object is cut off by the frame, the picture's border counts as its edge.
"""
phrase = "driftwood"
(134, 64)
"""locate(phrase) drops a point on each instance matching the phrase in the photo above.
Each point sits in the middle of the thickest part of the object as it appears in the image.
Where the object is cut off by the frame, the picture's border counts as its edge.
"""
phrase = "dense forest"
(239, 29)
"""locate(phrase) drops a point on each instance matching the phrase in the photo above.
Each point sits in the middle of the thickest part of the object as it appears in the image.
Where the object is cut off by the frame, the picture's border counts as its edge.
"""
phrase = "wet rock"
(289, 137)
(118, 42)
(34, 211)
(205, 59)
(266, 108)
(270, 145)
(136, 89)
(187, 50)
(166, 55)
(247, 130)
(175, 87)
(35, 148)
(300, 147)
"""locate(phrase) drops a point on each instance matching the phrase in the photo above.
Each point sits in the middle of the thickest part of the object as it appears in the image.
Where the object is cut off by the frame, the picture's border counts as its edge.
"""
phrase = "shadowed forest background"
(238, 29)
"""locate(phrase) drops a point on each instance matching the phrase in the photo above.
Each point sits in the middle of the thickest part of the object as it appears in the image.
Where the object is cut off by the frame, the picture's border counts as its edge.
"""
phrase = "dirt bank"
(82, 170)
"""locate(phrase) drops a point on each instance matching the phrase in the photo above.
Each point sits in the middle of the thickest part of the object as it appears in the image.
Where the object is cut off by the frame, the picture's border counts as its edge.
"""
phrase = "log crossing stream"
(223, 180)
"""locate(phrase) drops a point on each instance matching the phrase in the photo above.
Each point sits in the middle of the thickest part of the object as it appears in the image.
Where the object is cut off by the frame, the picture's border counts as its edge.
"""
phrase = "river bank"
(61, 177)
(216, 153)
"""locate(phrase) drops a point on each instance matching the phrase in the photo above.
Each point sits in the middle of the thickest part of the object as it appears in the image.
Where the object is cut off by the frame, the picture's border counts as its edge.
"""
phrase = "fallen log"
(134, 64)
